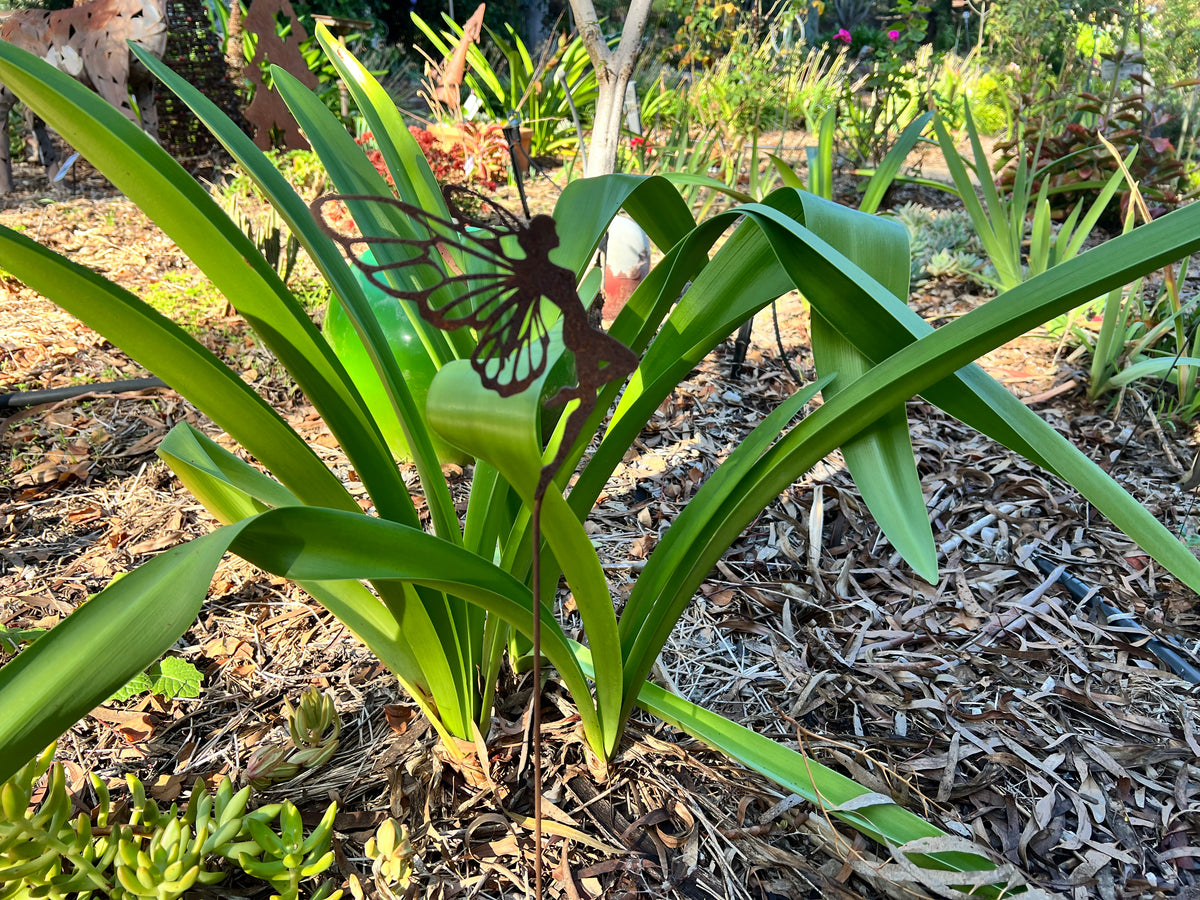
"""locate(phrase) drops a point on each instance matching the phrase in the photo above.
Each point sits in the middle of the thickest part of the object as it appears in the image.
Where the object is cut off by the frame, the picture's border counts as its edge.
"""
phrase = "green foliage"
(537, 89)
(1139, 339)
(170, 677)
(1033, 35)
(443, 596)
(137, 849)
(286, 857)
(879, 181)
(391, 857)
(1059, 142)
(1171, 39)
(1006, 225)
(302, 169)
(707, 30)
(943, 242)
(11, 639)
(986, 90)
(891, 92)
(313, 728)
(756, 83)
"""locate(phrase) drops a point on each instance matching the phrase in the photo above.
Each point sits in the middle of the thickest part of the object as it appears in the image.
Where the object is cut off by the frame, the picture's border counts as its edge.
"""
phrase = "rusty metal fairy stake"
(504, 306)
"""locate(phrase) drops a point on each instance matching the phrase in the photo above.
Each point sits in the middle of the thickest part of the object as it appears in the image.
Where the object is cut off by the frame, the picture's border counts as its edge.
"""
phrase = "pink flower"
(843, 35)
(636, 143)
(893, 35)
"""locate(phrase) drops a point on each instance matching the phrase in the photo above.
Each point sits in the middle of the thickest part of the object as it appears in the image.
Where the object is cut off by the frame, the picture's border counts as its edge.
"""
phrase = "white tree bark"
(613, 68)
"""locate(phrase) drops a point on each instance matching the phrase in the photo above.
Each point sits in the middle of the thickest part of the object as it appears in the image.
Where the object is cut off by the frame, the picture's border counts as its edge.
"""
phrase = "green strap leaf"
(880, 458)
(391, 499)
(146, 174)
(166, 349)
(233, 490)
(503, 431)
(830, 791)
(101, 646)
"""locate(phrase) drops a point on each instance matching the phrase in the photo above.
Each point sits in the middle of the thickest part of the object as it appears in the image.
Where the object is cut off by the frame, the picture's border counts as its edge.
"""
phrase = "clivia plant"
(438, 601)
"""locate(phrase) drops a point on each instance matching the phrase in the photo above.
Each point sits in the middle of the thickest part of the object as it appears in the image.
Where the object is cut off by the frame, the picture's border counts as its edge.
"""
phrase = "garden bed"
(988, 703)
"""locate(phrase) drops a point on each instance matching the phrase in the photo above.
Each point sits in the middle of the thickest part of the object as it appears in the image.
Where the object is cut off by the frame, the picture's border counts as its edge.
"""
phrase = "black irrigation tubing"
(742, 344)
(53, 395)
(1168, 651)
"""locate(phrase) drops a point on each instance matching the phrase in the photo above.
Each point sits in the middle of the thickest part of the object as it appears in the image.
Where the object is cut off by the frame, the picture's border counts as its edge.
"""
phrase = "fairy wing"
(457, 272)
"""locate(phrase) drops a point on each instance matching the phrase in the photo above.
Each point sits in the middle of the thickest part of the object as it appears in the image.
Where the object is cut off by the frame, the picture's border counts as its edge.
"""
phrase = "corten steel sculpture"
(505, 309)
(449, 75)
(267, 112)
(89, 42)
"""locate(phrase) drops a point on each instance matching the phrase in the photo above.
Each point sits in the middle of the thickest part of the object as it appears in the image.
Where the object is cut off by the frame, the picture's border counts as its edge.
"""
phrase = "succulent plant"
(143, 850)
(391, 855)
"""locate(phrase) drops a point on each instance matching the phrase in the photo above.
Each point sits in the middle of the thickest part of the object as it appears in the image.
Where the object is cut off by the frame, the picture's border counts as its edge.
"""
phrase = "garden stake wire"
(512, 134)
(504, 307)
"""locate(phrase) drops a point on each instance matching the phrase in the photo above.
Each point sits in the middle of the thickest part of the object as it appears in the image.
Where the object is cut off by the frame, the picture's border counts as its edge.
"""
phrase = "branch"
(631, 36)
(603, 59)
(589, 30)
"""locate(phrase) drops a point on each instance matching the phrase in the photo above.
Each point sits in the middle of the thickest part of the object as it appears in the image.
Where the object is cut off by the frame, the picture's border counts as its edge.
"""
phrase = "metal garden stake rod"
(504, 306)
(512, 134)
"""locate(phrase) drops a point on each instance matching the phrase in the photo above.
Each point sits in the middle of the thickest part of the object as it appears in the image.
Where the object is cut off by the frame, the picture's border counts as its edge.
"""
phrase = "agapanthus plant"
(437, 606)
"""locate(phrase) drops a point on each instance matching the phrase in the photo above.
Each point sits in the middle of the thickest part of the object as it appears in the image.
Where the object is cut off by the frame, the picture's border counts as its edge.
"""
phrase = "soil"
(989, 703)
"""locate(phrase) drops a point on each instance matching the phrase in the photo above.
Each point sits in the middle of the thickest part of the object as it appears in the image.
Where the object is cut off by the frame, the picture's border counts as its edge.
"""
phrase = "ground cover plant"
(813, 214)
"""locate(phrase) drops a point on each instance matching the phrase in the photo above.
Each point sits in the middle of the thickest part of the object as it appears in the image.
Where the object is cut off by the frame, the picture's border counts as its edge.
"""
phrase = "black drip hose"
(1168, 651)
(53, 395)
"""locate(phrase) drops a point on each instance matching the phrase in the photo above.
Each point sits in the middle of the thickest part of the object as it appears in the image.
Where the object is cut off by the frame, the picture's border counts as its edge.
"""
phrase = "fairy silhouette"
(499, 294)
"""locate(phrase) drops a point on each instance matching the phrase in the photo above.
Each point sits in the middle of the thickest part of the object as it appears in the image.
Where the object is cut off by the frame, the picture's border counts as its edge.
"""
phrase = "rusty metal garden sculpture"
(89, 43)
(267, 112)
(447, 90)
(505, 309)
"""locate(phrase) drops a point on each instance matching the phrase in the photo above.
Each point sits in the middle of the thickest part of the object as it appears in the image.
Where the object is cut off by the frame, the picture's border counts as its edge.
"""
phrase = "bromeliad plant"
(442, 601)
(537, 89)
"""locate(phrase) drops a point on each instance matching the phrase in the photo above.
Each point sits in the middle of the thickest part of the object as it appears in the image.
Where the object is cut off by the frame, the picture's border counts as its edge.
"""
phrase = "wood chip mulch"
(990, 703)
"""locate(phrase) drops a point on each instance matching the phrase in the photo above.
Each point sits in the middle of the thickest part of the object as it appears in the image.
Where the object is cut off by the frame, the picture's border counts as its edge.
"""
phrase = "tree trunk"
(536, 13)
(613, 68)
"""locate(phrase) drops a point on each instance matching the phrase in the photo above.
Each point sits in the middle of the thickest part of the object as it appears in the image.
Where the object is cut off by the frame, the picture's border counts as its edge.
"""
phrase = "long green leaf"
(435, 654)
(353, 174)
(936, 356)
(989, 223)
(313, 544)
(889, 166)
(163, 347)
(295, 213)
(503, 431)
(880, 458)
(414, 179)
(833, 793)
(99, 647)
(146, 174)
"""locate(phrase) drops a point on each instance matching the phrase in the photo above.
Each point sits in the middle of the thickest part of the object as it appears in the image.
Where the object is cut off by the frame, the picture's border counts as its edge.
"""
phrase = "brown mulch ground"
(987, 703)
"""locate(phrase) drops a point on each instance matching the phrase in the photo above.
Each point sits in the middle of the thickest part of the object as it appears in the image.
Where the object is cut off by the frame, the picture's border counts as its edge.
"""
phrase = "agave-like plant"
(441, 603)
